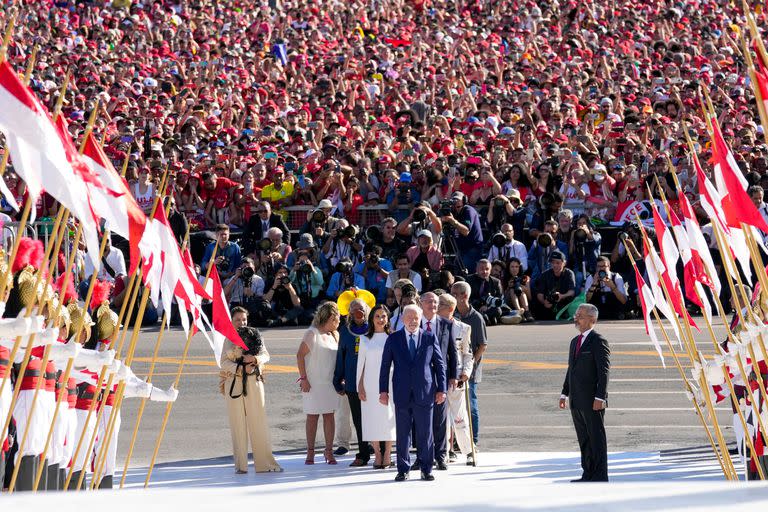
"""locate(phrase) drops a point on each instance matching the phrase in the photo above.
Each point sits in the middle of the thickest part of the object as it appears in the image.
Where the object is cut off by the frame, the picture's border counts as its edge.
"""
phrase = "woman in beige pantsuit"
(245, 398)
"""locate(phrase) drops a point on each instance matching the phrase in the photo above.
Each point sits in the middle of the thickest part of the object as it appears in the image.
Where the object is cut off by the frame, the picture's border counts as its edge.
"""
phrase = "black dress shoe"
(427, 476)
(441, 465)
(416, 466)
(401, 477)
(579, 480)
(340, 451)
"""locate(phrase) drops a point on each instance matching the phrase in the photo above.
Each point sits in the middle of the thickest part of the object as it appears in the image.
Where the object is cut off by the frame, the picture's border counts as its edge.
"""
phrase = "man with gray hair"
(586, 390)
(478, 342)
(418, 383)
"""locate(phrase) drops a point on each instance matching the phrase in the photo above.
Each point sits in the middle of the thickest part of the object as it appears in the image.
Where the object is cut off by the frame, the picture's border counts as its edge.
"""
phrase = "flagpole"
(756, 89)
(211, 263)
(7, 37)
(120, 395)
(697, 409)
(127, 362)
(690, 345)
(143, 402)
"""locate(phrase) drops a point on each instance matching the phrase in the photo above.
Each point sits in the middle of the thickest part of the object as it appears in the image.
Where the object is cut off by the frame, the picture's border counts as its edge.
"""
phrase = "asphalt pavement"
(523, 375)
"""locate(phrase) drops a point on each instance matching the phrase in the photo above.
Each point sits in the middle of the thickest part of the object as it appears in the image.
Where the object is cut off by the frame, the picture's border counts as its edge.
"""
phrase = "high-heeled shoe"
(329, 458)
(310, 457)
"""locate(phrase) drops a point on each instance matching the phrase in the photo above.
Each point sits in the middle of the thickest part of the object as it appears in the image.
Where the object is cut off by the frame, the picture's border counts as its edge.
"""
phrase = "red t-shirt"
(220, 194)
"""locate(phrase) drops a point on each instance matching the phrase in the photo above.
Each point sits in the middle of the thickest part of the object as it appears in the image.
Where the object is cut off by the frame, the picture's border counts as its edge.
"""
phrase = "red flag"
(737, 205)
(222, 321)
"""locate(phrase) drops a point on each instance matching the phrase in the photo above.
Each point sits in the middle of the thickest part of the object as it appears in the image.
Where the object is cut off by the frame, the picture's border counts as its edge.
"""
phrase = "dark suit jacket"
(253, 232)
(447, 346)
(492, 288)
(587, 375)
(419, 378)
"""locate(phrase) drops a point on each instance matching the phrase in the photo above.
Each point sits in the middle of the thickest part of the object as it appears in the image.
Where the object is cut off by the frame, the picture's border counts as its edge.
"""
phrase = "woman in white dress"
(378, 420)
(316, 360)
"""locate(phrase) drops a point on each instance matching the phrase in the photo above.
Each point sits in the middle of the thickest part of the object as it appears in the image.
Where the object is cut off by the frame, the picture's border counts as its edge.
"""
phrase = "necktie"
(429, 325)
(578, 345)
(412, 346)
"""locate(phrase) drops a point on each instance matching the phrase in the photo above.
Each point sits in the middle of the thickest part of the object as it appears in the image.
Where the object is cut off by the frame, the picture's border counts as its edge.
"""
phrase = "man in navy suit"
(586, 390)
(417, 384)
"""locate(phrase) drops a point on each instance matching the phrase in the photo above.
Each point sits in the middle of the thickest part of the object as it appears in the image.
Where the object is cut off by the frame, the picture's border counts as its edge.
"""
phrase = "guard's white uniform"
(457, 404)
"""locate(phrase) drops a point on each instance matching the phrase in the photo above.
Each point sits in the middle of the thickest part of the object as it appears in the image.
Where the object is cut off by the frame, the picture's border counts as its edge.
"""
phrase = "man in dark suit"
(259, 224)
(442, 329)
(484, 285)
(586, 389)
(418, 383)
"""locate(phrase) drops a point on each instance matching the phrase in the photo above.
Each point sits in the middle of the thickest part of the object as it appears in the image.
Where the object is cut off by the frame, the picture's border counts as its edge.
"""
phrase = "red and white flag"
(711, 202)
(692, 267)
(221, 319)
(670, 257)
(700, 253)
(43, 154)
(653, 262)
(113, 200)
(647, 302)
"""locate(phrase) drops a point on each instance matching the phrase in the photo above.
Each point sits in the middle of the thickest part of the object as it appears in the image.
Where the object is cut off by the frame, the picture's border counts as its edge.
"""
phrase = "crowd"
(426, 141)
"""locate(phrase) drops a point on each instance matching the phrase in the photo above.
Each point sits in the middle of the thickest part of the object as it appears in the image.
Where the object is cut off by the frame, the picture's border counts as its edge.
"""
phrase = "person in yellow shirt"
(279, 193)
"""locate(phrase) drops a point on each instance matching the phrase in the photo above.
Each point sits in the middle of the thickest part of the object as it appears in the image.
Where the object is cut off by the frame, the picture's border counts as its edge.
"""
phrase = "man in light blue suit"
(418, 383)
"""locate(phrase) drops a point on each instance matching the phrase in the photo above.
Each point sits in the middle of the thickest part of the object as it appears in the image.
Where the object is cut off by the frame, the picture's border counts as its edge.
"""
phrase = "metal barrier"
(367, 215)
(38, 230)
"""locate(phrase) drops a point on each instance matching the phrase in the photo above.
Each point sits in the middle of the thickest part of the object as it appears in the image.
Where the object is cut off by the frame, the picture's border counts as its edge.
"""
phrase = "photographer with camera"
(228, 257)
(549, 205)
(584, 248)
(402, 271)
(422, 217)
(320, 222)
(605, 289)
(245, 286)
(375, 271)
(504, 247)
(342, 244)
(343, 279)
(259, 224)
(543, 246)
(276, 244)
(518, 293)
(283, 300)
(385, 236)
(622, 264)
(506, 209)
(487, 296)
(555, 288)
(242, 383)
(462, 223)
(308, 282)
(425, 258)
(404, 194)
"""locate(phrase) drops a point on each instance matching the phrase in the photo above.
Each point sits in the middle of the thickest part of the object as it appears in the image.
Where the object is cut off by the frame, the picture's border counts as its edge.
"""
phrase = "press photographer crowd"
(404, 159)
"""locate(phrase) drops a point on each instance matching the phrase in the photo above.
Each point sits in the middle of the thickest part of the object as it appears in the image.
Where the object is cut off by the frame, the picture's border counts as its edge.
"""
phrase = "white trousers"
(69, 418)
(5, 403)
(109, 463)
(35, 441)
(83, 461)
(458, 418)
(343, 424)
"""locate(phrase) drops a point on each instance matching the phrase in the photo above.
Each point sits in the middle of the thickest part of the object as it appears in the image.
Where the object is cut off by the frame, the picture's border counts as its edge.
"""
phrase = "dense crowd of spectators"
(496, 137)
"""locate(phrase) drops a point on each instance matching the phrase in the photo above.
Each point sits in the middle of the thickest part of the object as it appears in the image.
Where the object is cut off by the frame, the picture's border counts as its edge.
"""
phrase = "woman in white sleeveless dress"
(378, 420)
(316, 360)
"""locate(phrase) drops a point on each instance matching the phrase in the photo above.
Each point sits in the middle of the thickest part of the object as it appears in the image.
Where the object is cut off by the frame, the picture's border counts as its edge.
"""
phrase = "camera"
(544, 240)
(498, 202)
(373, 259)
(265, 244)
(319, 217)
(246, 274)
(446, 207)
(344, 267)
(419, 215)
(374, 234)
(552, 297)
(284, 281)
(223, 265)
(580, 235)
(517, 286)
(499, 240)
(494, 302)
(602, 274)
(348, 232)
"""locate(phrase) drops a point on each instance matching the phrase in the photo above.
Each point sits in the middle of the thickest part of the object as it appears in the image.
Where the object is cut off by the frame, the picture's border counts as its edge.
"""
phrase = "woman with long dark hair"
(378, 419)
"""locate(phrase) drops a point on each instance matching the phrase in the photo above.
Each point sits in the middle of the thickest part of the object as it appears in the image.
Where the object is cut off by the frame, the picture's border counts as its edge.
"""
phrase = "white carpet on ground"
(502, 480)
